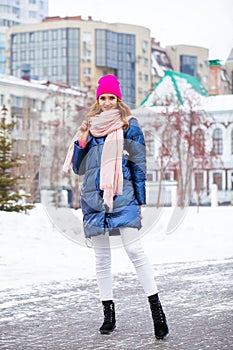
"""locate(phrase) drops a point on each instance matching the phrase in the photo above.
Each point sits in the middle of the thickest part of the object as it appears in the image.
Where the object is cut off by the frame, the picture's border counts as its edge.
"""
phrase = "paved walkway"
(197, 299)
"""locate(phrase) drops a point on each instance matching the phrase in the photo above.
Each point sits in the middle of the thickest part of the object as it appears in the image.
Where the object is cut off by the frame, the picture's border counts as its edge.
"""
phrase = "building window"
(33, 103)
(54, 34)
(168, 176)
(149, 177)
(87, 54)
(232, 141)
(32, 14)
(42, 106)
(31, 54)
(217, 179)
(54, 70)
(145, 62)
(45, 53)
(144, 46)
(31, 37)
(188, 65)
(63, 51)
(5, 8)
(14, 38)
(217, 142)
(63, 33)
(45, 71)
(54, 52)
(22, 37)
(63, 70)
(1, 99)
(45, 35)
(128, 57)
(32, 1)
(16, 11)
(2, 36)
(87, 71)
(199, 142)
(14, 56)
(23, 55)
(16, 101)
(199, 181)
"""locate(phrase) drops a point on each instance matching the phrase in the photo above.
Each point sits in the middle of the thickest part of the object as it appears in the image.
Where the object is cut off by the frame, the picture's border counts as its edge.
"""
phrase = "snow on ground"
(33, 251)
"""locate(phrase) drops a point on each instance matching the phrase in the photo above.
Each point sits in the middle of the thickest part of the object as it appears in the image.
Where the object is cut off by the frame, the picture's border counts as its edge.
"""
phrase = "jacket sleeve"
(137, 158)
(79, 158)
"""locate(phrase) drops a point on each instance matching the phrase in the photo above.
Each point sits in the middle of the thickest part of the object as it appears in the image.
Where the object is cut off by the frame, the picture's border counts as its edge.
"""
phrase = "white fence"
(164, 194)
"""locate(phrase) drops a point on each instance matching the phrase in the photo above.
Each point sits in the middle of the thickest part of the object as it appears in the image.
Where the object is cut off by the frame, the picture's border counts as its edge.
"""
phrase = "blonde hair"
(123, 109)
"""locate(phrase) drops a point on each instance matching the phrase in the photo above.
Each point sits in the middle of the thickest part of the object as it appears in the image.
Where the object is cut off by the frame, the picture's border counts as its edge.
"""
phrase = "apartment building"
(160, 62)
(192, 60)
(16, 12)
(77, 52)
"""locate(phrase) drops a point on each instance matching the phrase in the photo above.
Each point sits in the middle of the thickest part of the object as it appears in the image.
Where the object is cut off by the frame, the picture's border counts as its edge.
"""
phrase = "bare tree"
(181, 130)
(61, 135)
(65, 109)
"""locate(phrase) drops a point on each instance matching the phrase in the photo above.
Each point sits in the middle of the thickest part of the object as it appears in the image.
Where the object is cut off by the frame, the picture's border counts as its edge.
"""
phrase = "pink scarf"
(69, 156)
(111, 178)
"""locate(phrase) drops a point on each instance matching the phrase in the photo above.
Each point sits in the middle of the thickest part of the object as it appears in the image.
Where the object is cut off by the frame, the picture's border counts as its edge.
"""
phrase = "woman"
(110, 151)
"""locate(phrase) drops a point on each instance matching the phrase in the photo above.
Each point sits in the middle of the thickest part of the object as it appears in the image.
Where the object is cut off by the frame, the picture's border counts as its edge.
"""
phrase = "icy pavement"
(197, 298)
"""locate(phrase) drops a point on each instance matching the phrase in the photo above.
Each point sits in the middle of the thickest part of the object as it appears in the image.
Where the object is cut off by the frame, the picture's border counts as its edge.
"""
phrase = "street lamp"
(4, 112)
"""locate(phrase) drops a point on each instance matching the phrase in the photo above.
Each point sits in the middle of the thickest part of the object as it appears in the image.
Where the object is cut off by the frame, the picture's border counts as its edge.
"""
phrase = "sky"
(204, 23)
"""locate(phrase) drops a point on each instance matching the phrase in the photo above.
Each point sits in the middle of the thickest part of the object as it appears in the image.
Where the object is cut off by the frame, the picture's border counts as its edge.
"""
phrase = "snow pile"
(33, 251)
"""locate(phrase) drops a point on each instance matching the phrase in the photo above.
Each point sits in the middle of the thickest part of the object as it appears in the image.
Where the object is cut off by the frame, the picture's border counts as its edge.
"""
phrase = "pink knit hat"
(108, 84)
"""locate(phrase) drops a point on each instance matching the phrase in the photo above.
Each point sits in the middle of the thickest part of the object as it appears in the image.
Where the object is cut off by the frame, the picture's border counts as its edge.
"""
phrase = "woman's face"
(107, 102)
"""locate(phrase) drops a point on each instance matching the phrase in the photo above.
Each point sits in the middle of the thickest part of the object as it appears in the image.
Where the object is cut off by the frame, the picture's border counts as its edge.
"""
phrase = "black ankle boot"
(109, 317)
(159, 318)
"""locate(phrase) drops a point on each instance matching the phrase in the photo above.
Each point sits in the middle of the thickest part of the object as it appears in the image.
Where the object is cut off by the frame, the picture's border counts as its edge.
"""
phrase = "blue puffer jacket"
(126, 211)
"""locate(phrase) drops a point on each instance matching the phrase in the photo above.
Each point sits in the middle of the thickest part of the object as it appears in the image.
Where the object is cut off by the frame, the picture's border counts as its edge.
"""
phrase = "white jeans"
(136, 254)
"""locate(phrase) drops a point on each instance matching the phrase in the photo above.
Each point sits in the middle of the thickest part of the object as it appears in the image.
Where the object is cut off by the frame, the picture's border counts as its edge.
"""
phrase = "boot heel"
(160, 323)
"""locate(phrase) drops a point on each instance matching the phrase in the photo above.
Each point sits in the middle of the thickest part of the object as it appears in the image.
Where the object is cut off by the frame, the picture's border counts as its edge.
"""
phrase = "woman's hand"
(83, 131)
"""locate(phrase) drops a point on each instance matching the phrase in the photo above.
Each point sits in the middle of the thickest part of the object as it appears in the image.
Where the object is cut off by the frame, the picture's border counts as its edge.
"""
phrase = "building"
(77, 52)
(219, 81)
(192, 60)
(210, 138)
(15, 13)
(46, 117)
(229, 70)
(160, 62)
